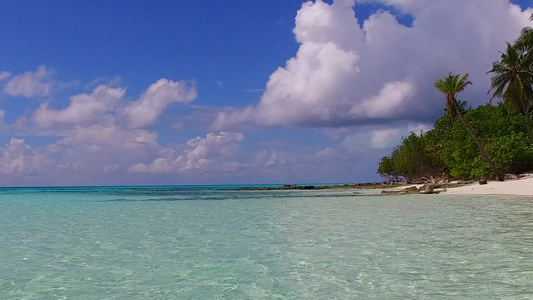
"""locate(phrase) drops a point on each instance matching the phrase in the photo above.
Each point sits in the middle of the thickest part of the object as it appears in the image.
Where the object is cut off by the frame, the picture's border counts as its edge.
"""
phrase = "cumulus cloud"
(17, 158)
(144, 112)
(102, 132)
(105, 105)
(224, 152)
(389, 101)
(101, 149)
(84, 109)
(30, 84)
(217, 152)
(345, 73)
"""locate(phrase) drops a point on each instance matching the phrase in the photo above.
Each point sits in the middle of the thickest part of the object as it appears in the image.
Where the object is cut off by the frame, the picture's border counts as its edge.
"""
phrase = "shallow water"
(205, 243)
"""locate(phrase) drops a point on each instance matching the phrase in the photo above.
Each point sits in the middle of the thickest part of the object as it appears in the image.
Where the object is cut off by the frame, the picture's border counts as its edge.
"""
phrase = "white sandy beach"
(522, 186)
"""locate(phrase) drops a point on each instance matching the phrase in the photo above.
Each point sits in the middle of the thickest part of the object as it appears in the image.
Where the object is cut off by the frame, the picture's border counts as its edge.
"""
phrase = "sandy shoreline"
(521, 187)
(517, 187)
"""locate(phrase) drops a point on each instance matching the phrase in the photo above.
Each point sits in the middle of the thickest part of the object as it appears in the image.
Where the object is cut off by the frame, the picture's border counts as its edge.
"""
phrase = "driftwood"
(411, 190)
(430, 189)
(431, 179)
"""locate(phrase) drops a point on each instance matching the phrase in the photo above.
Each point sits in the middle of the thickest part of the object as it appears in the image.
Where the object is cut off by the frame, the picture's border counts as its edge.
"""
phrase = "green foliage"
(450, 86)
(449, 150)
(406, 157)
(525, 40)
(387, 170)
(504, 134)
(512, 79)
(512, 153)
(416, 157)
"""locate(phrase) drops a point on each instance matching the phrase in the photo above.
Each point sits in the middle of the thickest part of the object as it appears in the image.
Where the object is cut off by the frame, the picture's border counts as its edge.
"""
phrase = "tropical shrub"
(449, 150)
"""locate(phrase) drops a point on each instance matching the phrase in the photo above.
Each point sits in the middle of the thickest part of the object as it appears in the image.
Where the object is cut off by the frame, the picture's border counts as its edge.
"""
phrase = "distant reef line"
(360, 186)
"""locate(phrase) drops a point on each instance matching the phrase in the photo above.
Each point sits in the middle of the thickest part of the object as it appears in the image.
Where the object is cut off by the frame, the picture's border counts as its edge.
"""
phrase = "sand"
(522, 187)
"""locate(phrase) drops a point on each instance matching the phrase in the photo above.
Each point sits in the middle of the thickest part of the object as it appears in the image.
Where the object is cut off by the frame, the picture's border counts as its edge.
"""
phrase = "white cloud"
(347, 74)
(221, 153)
(100, 136)
(101, 131)
(111, 168)
(30, 84)
(17, 158)
(326, 155)
(371, 138)
(389, 101)
(4, 75)
(217, 152)
(155, 100)
(84, 109)
(269, 159)
(91, 152)
(105, 105)
(114, 81)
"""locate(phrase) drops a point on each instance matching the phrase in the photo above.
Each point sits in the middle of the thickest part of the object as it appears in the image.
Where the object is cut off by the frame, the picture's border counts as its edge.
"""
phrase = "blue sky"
(226, 105)
(239, 43)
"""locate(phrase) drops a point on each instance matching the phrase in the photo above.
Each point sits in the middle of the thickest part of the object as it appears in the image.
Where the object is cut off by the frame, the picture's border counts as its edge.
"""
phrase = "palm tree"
(525, 41)
(450, 85)
(513, 81)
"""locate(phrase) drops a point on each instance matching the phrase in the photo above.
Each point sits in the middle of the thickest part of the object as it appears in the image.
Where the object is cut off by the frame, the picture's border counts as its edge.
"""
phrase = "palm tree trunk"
(484, 154)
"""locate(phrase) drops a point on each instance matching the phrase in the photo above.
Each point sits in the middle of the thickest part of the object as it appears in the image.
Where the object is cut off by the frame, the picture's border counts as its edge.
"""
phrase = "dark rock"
(482, 182)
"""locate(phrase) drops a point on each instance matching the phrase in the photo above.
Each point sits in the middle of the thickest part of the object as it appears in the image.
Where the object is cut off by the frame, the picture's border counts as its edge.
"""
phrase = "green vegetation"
(512, 81)
(485, 142)
(449, 150)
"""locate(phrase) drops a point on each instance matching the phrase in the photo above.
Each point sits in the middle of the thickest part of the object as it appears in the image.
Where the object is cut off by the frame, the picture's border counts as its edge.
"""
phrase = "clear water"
(205, 243)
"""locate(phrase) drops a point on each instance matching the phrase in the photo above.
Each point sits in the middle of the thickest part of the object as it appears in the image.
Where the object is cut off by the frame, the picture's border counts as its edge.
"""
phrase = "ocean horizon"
(222, 186)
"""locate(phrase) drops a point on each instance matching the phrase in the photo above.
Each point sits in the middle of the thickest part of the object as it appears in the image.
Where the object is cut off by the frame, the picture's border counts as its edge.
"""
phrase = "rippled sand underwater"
(206, 243)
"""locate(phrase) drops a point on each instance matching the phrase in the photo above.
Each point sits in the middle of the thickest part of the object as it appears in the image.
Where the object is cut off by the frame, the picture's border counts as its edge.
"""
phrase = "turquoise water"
(205, 243)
